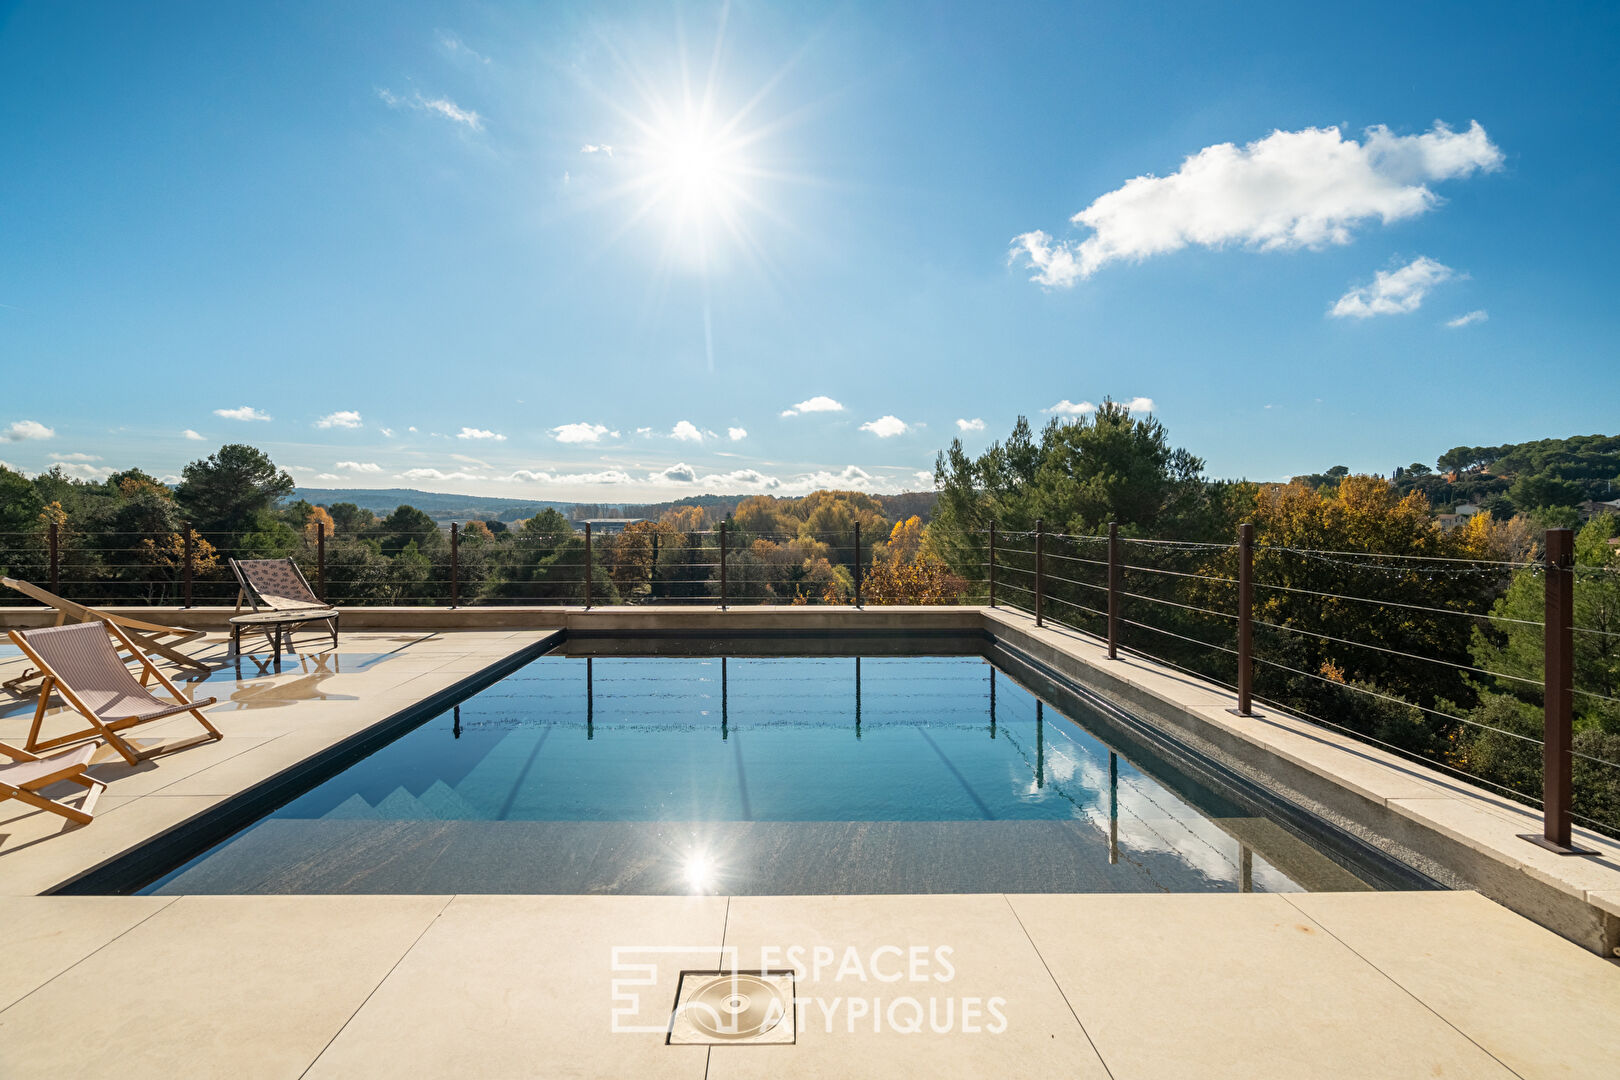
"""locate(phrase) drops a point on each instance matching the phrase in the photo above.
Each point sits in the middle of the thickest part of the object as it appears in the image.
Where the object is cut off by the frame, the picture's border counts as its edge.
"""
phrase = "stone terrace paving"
(1368, 984)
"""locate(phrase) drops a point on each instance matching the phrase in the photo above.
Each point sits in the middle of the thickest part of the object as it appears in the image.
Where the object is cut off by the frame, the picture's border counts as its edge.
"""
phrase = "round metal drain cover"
(735, 1007)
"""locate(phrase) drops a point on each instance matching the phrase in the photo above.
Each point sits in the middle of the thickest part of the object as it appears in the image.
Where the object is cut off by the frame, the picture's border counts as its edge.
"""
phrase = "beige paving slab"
(973, 954)
(523, 986)
(46, 935)
(31, 865)
(1541, 1005)
(160, 772)
(1212, 986)
(226, 986)
(241, 772)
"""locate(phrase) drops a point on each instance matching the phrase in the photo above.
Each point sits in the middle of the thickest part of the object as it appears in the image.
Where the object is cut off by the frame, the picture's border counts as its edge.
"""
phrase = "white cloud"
(453, 44)
(436, 474)
(86, 472)
(886, 427)
(540, 476)
(388, 433)
(969, 425)
(191, 435)
(75, 457)
(1392, 291)
(1140, 404)
(440, 106)
(327, 476)
(819, 403)
(346, 419)
(412, 430)
(925, 478)
(581, 433)
(737, 434)
(644, 432)
(477, 433)
(685, 431)
(358, 466)
(25, 430)
(1291, 189)
(681, 473)
(596, 148)
(1071, 408)
(246, 412)
(1467, 320)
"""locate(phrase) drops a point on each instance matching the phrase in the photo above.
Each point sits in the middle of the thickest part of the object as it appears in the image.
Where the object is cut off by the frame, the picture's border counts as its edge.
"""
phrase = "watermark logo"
(906, 989)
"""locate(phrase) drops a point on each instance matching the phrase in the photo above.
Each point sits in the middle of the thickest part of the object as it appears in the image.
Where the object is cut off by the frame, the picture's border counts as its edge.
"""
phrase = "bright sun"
(694, 173)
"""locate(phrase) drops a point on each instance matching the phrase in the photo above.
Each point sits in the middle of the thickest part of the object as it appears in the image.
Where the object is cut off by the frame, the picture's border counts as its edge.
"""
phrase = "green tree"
(228, 490)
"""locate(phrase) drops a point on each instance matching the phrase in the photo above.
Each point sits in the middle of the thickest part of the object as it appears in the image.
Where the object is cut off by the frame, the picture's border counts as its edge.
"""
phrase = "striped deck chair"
(277, 586)
(141, 632)
(81, 665)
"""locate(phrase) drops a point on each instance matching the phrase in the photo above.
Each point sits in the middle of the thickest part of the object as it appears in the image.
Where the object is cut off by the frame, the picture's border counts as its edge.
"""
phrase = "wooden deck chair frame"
(71, 770)
(109, 729)
(246, 591)
(141, 632)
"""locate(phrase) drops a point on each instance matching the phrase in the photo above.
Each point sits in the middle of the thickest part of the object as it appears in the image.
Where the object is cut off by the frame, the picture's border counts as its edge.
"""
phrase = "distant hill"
(437, 505)
(445, 508)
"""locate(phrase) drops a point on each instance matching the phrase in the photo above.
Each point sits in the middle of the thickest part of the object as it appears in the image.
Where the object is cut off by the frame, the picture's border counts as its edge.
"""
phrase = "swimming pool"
(613, 772)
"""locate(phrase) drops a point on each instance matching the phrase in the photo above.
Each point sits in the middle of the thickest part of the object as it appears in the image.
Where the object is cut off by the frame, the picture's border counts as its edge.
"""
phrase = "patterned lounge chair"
(281, 599)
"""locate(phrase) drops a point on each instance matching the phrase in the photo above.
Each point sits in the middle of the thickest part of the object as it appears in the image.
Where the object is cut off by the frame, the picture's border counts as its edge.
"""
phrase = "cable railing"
(722, 565)
(1251, 618)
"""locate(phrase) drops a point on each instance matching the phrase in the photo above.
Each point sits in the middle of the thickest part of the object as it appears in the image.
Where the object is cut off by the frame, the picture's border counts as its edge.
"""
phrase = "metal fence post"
(1113, 590)
(1558, 695)
(190, 557)
(320, 559)
(857, 564)
(1040, 568)
(722, 566)
(56, 576)
(652, 570)
(588, 568)
(455, 564)
(992, 564)
(1245, 621)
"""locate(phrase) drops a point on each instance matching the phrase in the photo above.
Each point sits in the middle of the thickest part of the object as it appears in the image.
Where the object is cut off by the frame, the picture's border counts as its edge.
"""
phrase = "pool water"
(759, 775)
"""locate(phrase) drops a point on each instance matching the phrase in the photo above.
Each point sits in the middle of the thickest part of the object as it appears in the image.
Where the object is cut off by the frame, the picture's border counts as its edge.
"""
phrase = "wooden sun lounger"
(81, 665)
(26, 775)
(140, 632)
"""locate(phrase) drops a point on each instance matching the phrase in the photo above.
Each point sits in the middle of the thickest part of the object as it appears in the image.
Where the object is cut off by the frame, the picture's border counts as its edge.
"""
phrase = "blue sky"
(397, 233)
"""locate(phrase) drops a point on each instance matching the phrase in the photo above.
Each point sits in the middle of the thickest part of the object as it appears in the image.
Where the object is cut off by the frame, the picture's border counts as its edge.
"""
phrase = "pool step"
(439, 802)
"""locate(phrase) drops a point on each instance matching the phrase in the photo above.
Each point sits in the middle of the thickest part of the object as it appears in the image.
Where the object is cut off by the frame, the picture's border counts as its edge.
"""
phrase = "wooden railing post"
(56, 575)
(191, 561)
(1245, 621)
(455, 564)
(1113, 590)
(1558, 695)
(1040, 568)
(320, 560)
